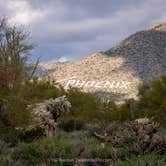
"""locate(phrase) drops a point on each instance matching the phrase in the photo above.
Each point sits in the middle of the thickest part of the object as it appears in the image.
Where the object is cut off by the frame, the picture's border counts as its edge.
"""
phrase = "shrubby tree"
(14, 51)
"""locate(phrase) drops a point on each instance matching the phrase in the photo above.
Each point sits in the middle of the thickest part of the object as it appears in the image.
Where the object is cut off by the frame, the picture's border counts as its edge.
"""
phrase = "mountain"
(144, 52)
(118, 71)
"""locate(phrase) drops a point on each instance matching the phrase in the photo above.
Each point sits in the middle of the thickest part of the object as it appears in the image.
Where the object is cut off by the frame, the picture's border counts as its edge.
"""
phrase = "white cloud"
(62, 59)
(90, 28)
(23, 13)
(78, 29)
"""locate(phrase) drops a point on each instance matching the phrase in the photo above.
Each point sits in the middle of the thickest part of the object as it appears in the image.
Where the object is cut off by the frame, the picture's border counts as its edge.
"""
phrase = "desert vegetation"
(102, 132)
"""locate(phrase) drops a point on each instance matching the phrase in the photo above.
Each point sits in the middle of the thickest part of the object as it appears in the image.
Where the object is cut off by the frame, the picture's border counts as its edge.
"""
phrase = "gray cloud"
(76, 28)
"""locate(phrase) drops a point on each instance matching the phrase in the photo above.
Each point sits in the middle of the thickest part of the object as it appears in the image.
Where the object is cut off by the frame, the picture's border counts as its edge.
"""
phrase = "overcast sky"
(71, 29)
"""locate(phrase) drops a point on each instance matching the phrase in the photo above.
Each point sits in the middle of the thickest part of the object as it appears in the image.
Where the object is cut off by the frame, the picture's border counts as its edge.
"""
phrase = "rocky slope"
(119, 71)
(144, 52)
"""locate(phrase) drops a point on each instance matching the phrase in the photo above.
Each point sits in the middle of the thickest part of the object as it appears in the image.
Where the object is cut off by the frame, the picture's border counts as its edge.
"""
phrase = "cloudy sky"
(71, 29)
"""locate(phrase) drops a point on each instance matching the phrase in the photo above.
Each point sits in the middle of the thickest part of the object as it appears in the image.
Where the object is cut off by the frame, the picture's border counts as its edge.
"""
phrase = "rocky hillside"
(144, 52)
(118, 71)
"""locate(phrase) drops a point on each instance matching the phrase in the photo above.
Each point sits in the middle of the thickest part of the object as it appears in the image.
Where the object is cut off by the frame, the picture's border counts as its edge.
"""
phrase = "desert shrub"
(110, 111)
(109, 152)
(114, 112)
(46, 151)
(43, 151)
(14, 102)
(84, 105)
(146, 160)
(81, 140)
(102, 151)
(132, 138)
(152, 101)
(71, 125)
(89, 108)
(37, 91)
(31, 135)
(123, 113)
(6, 152)
(13, 114)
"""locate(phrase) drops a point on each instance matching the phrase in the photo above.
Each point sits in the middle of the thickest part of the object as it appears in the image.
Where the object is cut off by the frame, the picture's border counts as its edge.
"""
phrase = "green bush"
(152, 101)
(31, 135)
(46, 151)
(14, 102)
(84, 106)
(102, 151)
(37, 91)
(89, 108)
(113, 112)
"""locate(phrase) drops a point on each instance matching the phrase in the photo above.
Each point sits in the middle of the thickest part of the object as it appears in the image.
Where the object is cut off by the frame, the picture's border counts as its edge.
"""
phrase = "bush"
(6, 153)
(71, 125)
(146, 160)
(46, 151)
(102, 151)
(113, 112)
(152, 101)
(31, 135)
(13, 106)
(37, 91)
(89, 108)
(14, 112)
(84, 106)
